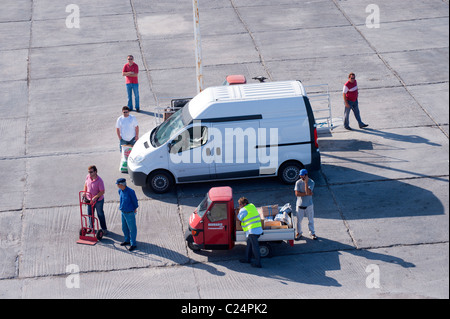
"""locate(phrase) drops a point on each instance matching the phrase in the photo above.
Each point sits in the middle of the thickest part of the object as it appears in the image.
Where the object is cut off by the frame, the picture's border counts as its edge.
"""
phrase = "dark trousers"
(253, 249)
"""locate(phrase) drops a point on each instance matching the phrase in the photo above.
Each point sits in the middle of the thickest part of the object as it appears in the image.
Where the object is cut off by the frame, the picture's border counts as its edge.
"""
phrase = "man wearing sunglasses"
(350, 93)
(127, 128)
(95, 189)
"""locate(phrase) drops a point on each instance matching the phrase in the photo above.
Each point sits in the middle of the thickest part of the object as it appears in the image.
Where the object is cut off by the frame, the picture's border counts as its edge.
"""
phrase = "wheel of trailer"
(265, 249)
(160, 182)
(99, 234)
(289, 172)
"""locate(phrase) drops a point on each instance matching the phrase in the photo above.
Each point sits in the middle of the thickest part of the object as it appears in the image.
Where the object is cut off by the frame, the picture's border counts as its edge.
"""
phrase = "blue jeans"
(133, 87)
(98, 207)
(129, 228)
(353, 107)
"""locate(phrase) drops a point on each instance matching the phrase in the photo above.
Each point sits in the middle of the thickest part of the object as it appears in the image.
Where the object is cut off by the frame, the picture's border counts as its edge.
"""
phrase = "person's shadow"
(416, 139)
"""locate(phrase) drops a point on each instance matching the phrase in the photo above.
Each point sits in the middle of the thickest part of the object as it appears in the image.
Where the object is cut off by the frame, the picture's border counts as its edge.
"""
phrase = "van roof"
(260, 91)
(245, 92)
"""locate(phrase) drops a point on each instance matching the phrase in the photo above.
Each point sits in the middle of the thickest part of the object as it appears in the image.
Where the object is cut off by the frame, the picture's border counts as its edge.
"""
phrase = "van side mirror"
(175, 142)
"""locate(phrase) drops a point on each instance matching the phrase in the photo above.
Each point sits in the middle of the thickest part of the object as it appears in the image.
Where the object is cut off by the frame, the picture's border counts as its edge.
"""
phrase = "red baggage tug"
(212, 226)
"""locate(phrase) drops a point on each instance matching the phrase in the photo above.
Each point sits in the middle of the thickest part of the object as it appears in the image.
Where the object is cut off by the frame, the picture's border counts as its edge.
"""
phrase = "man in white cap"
(304, 191)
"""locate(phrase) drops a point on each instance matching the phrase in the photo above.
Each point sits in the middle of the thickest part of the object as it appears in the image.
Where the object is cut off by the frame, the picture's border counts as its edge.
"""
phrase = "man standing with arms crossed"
(130, 71)
(304, 206)
(350, 94)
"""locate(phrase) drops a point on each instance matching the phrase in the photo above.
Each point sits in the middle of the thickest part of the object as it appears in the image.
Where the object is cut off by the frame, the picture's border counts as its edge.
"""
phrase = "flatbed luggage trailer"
(212, 226)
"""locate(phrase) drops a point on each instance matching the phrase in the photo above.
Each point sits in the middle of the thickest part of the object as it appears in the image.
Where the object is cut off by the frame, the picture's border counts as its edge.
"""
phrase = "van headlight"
(136, 159)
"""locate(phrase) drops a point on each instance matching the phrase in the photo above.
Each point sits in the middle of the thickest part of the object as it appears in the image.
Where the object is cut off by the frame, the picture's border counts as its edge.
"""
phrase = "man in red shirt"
(130, 71)
(350, 93)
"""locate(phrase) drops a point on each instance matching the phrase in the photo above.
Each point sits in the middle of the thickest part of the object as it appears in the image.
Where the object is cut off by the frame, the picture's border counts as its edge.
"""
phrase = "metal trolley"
(90, 231)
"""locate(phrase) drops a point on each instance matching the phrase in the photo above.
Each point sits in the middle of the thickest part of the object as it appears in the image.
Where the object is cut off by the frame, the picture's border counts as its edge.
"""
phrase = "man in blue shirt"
(128, 206)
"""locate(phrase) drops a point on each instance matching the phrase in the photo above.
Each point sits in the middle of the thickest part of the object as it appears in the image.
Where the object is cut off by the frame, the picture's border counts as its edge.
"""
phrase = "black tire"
(190, 242)
(99, 234)
(193, 246)
(289, 172)
(160, 182)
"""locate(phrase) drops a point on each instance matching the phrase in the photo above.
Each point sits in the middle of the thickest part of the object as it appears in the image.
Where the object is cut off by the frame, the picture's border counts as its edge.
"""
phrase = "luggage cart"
(319, 98)
(162, 114)
(90, 231)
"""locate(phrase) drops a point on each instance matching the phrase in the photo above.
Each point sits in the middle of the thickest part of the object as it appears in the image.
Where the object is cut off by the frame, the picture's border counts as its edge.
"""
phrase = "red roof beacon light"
(235, 79)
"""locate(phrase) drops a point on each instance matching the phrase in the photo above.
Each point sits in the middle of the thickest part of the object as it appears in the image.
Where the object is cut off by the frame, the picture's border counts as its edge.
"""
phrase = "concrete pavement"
(381, 197)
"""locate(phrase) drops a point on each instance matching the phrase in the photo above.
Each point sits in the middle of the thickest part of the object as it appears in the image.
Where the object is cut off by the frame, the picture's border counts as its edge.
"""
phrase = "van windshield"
(162, 133)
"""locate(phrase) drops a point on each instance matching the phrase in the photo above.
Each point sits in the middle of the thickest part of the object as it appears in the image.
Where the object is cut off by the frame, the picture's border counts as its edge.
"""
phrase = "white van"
(230, 132)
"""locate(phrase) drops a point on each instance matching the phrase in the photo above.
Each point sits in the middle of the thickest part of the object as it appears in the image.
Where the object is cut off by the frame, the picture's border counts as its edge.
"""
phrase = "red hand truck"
(90, 231)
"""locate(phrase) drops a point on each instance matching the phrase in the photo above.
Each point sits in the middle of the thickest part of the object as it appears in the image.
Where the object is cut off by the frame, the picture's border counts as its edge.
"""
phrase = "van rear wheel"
(289, 172)
(160, 182)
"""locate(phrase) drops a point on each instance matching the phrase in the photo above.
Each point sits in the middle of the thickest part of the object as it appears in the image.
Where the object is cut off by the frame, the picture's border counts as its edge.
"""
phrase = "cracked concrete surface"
(381, 196)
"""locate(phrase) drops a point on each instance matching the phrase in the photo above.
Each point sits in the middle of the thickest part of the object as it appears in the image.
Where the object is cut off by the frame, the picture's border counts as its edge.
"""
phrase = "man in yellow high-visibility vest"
(251, 224)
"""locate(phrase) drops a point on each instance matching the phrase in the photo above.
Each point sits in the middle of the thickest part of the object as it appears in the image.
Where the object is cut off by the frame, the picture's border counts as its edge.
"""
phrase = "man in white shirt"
(127, 128)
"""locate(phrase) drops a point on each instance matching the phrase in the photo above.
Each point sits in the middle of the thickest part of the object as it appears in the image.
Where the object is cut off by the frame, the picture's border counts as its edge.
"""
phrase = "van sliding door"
(235, 152)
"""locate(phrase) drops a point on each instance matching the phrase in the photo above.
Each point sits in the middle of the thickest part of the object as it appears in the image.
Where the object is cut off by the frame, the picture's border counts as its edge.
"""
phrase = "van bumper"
(315, 162)
(138, 178)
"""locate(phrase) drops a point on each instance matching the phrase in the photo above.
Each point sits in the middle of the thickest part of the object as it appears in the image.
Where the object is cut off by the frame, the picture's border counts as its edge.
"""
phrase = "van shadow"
(352, 194)
(376, 197)
(199, 189)
(310, 268)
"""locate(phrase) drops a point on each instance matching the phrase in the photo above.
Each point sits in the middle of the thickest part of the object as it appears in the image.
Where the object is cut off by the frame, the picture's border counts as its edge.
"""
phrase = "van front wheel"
(160, 182)
(289, 172)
